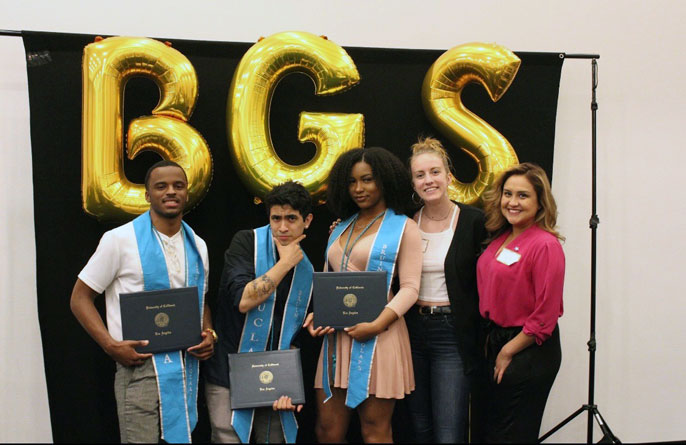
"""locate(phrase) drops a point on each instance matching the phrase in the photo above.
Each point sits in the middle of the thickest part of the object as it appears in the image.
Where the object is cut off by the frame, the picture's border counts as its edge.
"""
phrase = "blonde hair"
(546, 216)
(433, 146)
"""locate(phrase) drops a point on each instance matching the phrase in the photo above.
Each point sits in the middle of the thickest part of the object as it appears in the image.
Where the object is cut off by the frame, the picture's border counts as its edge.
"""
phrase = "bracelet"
(215, 337)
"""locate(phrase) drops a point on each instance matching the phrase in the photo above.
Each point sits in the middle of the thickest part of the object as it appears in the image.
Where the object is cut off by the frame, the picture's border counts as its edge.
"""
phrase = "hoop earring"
(416, 199)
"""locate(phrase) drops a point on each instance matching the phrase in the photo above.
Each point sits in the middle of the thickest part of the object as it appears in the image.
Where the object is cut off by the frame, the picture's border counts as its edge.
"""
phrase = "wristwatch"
(215, 337)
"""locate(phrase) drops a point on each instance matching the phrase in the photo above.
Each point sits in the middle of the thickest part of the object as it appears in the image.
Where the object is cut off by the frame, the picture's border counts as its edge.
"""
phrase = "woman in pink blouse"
(370, 190)
(520, 278)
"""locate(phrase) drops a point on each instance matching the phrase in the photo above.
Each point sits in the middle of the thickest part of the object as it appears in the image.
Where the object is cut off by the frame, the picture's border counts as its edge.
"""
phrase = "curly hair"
(289, 193)
(546, 216)
(390, 176)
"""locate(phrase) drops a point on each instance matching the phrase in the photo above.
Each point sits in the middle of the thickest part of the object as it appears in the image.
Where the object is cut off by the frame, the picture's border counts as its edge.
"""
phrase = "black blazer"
(460, 279)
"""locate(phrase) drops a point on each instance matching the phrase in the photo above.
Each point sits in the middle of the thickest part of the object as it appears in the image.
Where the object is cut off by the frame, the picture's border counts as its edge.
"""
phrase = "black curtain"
(79, 374)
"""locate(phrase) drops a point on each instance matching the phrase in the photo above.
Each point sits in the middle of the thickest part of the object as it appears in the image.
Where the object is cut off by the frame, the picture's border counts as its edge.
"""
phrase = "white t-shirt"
(115, 268)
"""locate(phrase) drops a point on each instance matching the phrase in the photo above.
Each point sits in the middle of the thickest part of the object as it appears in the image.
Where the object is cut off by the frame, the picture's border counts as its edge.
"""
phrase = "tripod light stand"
(590, 407)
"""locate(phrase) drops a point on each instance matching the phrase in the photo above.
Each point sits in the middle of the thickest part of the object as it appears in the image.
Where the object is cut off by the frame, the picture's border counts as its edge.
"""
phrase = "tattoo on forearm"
(262, 287)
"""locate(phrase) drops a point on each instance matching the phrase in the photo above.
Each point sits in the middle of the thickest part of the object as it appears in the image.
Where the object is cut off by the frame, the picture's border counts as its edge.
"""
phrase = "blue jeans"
(439, 404)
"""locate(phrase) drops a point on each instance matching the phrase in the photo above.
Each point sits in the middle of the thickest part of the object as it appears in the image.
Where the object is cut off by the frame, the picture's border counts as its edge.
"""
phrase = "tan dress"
(392, 375)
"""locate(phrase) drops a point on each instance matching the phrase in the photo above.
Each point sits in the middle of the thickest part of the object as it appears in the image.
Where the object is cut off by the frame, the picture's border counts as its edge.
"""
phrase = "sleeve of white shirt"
(202, 249)
(103, 266)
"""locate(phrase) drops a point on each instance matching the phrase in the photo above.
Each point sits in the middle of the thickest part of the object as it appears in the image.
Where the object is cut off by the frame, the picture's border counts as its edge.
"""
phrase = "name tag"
(508, 257)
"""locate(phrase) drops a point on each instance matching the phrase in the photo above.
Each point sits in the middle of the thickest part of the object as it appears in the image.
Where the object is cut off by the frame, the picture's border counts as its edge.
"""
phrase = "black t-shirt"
(239, 270)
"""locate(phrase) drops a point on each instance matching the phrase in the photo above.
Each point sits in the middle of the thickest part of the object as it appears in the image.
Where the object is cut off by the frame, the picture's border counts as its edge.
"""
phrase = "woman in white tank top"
(444, 324)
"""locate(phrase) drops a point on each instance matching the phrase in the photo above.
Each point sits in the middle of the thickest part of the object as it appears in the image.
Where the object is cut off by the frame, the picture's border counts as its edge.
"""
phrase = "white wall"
(639, 388)
(24, 413)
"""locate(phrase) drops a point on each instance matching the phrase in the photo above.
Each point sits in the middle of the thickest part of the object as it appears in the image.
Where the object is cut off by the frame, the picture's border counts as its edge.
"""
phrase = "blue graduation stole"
(382, 257)
(258, 323)
(177, 383)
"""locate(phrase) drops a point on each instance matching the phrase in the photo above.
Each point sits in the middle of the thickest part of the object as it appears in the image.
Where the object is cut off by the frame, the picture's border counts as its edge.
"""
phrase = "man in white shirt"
(118, 267)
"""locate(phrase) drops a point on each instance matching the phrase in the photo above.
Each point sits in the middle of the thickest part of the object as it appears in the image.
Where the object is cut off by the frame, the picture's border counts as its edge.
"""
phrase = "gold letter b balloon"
(494, 67)
(106, 192)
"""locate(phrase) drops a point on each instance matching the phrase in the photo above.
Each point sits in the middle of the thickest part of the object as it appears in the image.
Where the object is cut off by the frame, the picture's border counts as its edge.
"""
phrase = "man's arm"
(206, 318)
(84, 310)
(259, 289)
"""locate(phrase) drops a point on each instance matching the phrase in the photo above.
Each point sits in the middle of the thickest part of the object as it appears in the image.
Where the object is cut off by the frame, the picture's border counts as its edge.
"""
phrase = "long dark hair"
(390, 176)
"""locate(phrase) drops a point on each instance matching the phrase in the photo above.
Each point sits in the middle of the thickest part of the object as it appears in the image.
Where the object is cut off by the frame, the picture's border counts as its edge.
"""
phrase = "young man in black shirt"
(245, 295)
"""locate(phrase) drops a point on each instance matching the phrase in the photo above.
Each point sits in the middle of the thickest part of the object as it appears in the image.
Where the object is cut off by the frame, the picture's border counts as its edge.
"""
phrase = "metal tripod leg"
(563, 423)
(608, 436)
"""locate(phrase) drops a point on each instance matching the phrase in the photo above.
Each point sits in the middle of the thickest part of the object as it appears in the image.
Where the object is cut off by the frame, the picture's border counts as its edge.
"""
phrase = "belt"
(434, 310)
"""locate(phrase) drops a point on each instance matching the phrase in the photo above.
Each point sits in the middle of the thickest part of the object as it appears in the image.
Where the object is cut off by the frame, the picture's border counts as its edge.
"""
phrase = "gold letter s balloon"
(106, 192)
(494, 67)
(256, 77)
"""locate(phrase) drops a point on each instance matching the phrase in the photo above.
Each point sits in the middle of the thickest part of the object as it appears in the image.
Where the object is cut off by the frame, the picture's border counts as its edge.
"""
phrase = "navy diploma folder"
(257, 379)
(343, 299)
(168, 318)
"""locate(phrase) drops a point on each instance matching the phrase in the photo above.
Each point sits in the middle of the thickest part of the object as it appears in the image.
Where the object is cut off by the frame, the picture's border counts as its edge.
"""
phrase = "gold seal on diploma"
(266, 377)
(161, 320)
(350, 300)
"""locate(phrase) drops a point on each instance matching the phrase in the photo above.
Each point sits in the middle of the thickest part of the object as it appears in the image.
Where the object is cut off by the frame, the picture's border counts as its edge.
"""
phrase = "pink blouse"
(527, 293)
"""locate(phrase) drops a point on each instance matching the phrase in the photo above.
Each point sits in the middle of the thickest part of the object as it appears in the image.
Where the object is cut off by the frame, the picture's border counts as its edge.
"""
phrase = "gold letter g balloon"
(254, 81)
(106, 192)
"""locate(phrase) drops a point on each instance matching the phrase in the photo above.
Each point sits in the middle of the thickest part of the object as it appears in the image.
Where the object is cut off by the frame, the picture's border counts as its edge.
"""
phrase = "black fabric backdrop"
(79, 374)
